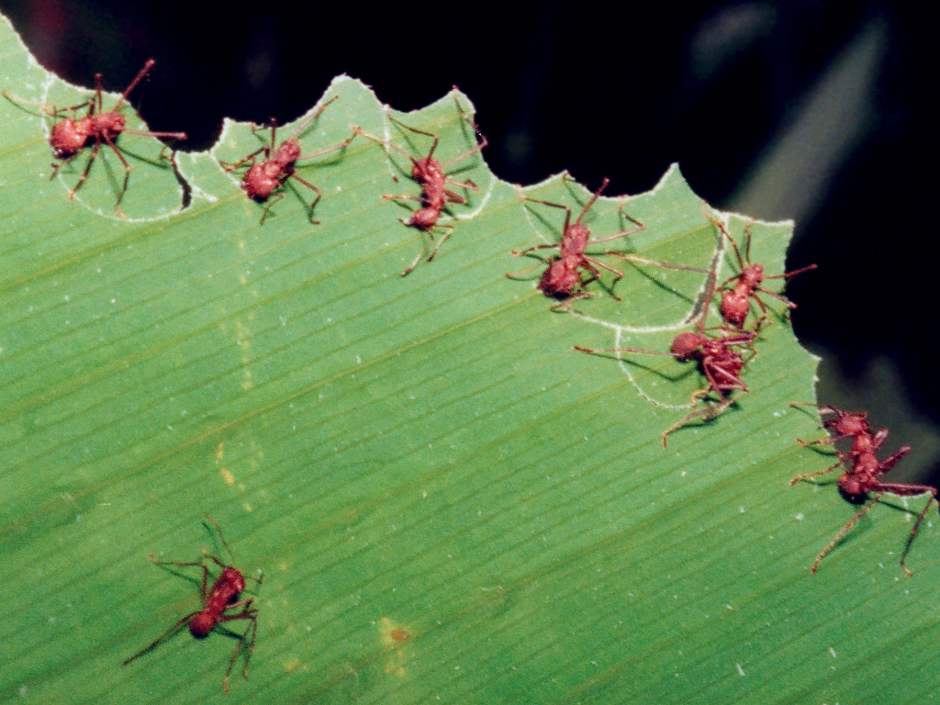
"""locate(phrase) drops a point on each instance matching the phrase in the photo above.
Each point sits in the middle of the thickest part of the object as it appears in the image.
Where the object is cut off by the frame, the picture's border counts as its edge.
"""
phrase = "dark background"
(814, 111)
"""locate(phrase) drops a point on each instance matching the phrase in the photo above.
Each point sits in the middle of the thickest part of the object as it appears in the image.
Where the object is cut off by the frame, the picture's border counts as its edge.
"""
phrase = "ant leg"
(45, 108)
(160, 639)
(641, 351)
(916, 527)
(436, 138)
(334, 148)
(315, 201)
(846, 528)
(189, 564)
(267, 206)
(706, 414)
(148, 65)
(468, 184)
(597, 263)
(252, 616)
(533, 248)
(566, 304)
(817, 473)
(617, 236)
(127, 172)
(827, 441)
(209, 521)
(59, 164)
(590, 202)
(250, 160)
(437, 244)
(892, 460)
(591, 263)
(724, 232)
(553, 205)
(793, 272)
(400, 197)
(453, 197)
(81, 179)
(521, 275)
(414, 263)
(464, 155)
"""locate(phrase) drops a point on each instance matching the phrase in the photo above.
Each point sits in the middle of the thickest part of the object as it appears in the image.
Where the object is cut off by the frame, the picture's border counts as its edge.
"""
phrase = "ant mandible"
(736, 298)
(563, 279)
(70, 135)
(267, 178)
(432, 176)
(861, 475)
(216, 601)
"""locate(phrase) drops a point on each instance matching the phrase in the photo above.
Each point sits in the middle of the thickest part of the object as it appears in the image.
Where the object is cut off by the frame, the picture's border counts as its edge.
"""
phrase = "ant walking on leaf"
(435, 180)
(71, 134)
(719, 360)
(573, 268)
(860, 482)
(217, 601)
(264, 181)
(738, 290)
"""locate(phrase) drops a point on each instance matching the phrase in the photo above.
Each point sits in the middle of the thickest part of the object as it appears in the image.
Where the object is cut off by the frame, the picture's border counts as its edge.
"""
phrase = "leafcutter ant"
(264, 181)
(70, 135)
(569, 271)
(218, 599)
(433, 178)
(719, 360)
(860, 481)
(738, 290)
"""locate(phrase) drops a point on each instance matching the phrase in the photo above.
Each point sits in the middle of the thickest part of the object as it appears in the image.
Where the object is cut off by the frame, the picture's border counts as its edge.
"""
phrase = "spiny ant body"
(719, 360)
(267, 178)
(70, 135)
(432, 177)
(218, 599)
(862, 472)
(563, 278)
(738, 290)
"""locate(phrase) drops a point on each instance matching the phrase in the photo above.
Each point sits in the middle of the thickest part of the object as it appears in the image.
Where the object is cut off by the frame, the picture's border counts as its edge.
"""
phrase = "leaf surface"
(447, 502)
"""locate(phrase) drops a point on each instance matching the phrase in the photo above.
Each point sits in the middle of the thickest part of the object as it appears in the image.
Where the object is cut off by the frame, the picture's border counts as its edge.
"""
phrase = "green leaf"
(448, 503)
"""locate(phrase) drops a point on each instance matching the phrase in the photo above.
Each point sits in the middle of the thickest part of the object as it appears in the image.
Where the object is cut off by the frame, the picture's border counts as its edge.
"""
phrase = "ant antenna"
(211, 524)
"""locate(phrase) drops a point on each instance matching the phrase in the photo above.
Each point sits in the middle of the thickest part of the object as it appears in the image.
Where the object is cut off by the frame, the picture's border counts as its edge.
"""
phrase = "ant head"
(852, 490)
(560, 280)
(201, 624)
(69, 136)
(687, 345)
(847, 423)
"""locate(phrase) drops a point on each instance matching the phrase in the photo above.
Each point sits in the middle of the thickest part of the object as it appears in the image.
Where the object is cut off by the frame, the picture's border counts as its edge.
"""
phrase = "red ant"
(735, 301)
(861, 472)
(223, 596)
(71, 135)
(718, 361)
(432, 176)
(267, 178)
(563, 279)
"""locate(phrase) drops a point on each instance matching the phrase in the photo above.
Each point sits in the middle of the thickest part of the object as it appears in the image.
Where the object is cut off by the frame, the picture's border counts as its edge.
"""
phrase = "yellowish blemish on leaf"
(247, 507)
(283, 567)
(292, 665)
(220, 451)
(227, 476)
(394, 638)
